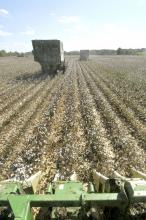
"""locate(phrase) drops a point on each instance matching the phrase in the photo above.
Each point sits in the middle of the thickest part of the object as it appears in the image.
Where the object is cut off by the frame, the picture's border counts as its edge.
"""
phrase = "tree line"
(119, 51)
(3, 53)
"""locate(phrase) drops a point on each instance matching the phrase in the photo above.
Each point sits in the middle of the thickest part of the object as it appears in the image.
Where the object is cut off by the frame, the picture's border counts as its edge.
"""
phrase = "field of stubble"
(93, 116)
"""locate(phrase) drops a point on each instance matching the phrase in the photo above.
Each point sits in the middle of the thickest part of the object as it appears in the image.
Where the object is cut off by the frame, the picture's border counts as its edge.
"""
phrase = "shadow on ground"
(34, 77)
(30, 78)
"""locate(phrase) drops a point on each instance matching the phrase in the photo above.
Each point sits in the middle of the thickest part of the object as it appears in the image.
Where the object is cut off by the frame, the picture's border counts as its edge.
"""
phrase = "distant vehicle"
(50, 55)
(84, 54)
(20, 55)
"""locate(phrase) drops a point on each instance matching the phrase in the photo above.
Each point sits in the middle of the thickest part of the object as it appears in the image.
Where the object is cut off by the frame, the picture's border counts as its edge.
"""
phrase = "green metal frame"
(66, 194)
(73, 196)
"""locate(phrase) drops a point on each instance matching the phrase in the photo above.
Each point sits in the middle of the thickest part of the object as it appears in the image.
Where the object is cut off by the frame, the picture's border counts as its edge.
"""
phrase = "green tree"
(119, 51)
(2, 53)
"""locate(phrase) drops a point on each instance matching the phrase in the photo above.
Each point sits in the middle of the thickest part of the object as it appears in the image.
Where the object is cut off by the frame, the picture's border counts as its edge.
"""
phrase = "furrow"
(24, 129)
(18, 119)
(28, 156)
(14, 98)
(125, 146)
(19, 107)
(136, 128)
(138, 111)
(100, 151)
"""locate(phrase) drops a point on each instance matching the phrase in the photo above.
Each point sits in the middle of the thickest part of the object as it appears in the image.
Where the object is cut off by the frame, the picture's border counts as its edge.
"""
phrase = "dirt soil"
(91, 117)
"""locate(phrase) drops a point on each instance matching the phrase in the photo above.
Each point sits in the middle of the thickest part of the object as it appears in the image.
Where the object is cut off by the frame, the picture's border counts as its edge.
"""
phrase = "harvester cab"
(72, 199)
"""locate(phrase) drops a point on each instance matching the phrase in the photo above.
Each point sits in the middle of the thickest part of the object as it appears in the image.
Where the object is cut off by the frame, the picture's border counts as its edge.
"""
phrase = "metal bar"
(106, 199)
(120, 176)
(21, 207)
(55, 200)
(99, 176)
(99, 181)
(138, 174)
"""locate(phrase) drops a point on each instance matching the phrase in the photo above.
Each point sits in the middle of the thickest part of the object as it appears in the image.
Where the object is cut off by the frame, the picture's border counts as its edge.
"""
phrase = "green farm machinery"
(72, 199)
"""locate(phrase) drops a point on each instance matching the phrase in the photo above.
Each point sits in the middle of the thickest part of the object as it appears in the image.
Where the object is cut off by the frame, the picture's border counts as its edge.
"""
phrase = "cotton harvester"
(50, 55)
(84, 55)
(72, 199)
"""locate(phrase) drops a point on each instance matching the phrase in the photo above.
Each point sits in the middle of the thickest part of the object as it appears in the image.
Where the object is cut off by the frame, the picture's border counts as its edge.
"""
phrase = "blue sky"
(80, 24)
